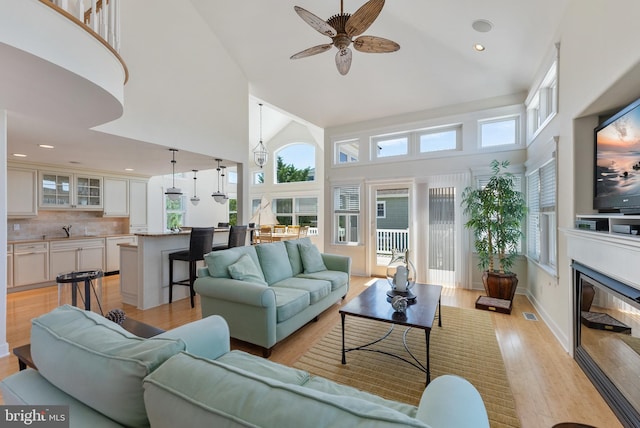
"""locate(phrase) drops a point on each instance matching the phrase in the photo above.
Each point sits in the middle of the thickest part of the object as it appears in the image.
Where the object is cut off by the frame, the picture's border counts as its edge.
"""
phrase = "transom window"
(391, 145)
(347, 151)
(296, 162)
(499, 132)
(439, 140)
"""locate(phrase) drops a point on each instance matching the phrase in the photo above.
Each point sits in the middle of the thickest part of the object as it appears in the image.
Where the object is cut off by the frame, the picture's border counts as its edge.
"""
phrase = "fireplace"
(607, 339)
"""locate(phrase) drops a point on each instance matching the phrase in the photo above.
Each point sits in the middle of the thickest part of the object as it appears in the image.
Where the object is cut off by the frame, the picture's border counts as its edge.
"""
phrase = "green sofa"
(188, 377)
(266, 292)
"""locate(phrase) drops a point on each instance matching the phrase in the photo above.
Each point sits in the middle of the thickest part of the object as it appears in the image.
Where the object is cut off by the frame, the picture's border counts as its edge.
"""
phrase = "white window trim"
(338, 144)
(436, 130)
(336, 213)
(410, 136)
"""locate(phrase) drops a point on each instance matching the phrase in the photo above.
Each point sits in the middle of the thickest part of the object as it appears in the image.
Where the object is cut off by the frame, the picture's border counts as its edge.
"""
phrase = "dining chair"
(222, 224)
(200, 243)
(279, 229)
(266, 234)
(304, 231)
(294, 229)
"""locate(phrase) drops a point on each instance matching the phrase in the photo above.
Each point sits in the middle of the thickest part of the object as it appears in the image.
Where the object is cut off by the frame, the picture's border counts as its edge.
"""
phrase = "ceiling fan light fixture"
(343, 28)
(173, 193)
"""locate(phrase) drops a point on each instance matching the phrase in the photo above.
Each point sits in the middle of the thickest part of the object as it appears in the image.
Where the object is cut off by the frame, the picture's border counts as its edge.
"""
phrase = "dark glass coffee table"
(374, 304)
(138, 328)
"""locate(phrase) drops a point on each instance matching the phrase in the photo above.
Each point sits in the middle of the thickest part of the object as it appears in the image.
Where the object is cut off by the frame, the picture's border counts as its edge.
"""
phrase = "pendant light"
(260, 153)
(195, 200)
(219, 196)
(173, 192)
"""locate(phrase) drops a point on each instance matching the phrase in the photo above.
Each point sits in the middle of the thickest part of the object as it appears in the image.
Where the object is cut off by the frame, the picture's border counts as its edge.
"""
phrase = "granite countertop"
(71, 238)
(182, 232)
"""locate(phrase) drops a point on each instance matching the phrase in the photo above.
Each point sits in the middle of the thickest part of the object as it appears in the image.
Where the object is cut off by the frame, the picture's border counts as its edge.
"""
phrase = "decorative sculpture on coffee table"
(401, 275)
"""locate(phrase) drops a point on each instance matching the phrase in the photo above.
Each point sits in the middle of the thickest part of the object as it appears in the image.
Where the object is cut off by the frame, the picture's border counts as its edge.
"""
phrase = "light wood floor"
(548, 385)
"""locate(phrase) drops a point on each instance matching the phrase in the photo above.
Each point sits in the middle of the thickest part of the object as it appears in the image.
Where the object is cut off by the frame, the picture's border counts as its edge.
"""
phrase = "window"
(391, 145)
(258, 177)
(499, 132)
(302, 211)
(381, 209)
(542, 101)
(541, 217)
(174, 212)
(439, 140)
(346, 209)
(232, 177)
(233, 211)
(296, 162)
(347, 151)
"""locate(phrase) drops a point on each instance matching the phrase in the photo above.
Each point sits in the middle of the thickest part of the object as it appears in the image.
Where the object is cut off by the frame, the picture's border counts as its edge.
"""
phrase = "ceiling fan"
(342, 29)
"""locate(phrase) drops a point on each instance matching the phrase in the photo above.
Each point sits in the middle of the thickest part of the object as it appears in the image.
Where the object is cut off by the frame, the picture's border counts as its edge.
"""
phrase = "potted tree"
(495, 215)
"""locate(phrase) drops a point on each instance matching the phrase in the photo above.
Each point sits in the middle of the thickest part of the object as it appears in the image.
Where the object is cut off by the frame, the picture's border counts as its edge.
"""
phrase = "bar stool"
(237, 238)
(200, 244)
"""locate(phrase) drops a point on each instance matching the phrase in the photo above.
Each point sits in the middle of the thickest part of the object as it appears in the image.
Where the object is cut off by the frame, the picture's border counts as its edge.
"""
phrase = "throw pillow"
(311, 258)
(246, 270)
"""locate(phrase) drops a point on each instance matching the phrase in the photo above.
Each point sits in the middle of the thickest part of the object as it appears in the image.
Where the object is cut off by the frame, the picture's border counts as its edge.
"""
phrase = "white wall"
(599, 70)
(184, 89)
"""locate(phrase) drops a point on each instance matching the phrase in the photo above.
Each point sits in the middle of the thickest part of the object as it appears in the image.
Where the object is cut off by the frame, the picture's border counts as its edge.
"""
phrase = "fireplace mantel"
(613, 254)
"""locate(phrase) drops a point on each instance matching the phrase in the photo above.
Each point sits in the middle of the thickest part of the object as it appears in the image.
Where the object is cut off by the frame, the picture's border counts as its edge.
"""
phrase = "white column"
(4, 346)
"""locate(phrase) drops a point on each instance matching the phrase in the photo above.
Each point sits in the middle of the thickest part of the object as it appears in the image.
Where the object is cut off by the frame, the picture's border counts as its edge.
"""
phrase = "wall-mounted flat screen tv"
(617, 162)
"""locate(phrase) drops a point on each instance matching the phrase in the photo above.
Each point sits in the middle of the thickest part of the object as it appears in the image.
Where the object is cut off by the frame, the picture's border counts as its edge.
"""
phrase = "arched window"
(296, 162)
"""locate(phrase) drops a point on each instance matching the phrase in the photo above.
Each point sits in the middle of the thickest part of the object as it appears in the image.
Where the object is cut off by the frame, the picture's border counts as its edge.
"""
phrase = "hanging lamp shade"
(173, 192)
(219, 196)
(260, 153)
(195, 200)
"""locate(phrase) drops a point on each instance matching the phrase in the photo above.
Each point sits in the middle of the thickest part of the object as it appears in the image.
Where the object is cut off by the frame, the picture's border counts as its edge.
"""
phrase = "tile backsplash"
(48, 224)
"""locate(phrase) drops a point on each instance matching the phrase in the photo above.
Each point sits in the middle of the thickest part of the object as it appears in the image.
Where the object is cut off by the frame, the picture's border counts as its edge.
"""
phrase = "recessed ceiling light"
(46, 146)
(479, 47)
(20, 155)
(129, 169)
(482, 25)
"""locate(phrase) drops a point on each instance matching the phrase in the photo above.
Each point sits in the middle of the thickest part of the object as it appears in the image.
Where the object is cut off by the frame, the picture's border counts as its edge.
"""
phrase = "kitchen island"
(144, 268)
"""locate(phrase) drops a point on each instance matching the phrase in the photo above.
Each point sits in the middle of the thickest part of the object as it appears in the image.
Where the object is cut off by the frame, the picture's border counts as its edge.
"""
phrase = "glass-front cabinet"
(63, 190)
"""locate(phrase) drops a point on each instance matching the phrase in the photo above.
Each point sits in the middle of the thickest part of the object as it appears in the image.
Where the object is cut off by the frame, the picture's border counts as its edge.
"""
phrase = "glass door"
(442, 236)
(390, 221)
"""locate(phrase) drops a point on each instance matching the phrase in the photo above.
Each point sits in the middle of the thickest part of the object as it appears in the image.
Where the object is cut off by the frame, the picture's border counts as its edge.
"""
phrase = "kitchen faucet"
(67, 230)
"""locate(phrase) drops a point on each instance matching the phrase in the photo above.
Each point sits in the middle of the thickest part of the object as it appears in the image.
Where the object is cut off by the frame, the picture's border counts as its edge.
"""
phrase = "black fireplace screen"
(607, 339)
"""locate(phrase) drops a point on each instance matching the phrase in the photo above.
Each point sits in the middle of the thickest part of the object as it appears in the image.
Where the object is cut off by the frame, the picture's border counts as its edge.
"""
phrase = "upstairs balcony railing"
(101, 16)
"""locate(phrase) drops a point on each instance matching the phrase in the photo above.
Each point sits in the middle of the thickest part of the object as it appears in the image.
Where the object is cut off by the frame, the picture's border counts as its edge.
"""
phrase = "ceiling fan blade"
(312, 51)
(373, 44)
(343, 60)
(318, 23)
(363, 17)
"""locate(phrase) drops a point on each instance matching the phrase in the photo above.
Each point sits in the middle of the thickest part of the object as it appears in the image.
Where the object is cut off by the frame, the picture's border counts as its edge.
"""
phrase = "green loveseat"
(188, 377)
(266, 292)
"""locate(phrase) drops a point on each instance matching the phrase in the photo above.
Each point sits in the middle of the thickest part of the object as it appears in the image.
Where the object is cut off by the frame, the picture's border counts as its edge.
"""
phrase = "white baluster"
(104, 21)
(80, 6)
(94, 15)
(116, 30)
(112, 23)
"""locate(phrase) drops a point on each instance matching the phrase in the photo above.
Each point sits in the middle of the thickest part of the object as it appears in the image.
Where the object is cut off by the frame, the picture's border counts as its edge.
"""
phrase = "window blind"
(346, 199)
(548, 186)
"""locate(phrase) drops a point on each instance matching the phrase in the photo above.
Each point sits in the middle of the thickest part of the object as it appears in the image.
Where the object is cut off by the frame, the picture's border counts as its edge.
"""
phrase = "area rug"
(465, 345)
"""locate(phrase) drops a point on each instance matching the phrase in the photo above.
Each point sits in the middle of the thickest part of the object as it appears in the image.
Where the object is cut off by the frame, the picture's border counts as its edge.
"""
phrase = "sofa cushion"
(264, 367)
(338, 279)
(274, 262)
(311, 258)
(317, 289)
(97, 362)
(219, 261)
(185, 392)
(246, 270)
(294, 254)
(289, 302)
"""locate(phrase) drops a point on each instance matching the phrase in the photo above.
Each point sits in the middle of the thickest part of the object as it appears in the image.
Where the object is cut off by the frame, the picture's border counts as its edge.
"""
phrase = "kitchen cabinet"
(9, 265)
(76, 255)
(113, 251)
(116, 197)
(137, 206)
(65, 190)
(22, 192)
(30, 263)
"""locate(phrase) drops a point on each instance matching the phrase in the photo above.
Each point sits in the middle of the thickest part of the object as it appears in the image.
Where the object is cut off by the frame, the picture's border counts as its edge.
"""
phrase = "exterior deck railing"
(390, 239)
